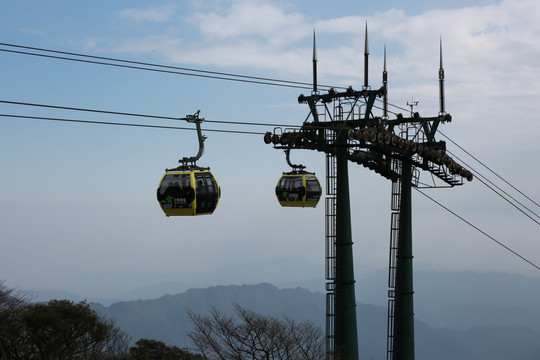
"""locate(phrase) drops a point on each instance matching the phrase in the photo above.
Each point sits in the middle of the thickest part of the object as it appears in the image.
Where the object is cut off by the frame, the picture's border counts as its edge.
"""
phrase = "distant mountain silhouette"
(165, 319)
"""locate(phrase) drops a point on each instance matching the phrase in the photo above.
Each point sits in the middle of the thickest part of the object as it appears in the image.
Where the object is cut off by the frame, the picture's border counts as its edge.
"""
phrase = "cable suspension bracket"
(189, 163)
(296, 168)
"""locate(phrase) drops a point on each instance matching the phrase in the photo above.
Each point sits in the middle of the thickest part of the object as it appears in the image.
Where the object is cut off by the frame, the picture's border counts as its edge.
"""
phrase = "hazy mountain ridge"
(449, 306)
(165, 319)
(443, 299)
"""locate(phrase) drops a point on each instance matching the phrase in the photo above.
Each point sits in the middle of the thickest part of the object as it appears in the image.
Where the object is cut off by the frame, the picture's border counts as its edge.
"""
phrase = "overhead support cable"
(181, 70)
(263, 124)
(490, 170)
(484, 181)
(139, 115)
(479, 230)
(138, 65)
(125, 124)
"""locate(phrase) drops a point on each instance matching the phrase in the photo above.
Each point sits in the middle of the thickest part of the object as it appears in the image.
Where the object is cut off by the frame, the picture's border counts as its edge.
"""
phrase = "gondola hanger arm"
(197, 120)
(296, 168)
(189, 163)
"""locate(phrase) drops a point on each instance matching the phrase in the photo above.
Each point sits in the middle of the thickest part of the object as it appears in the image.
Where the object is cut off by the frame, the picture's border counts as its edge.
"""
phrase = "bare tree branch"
(249, 335)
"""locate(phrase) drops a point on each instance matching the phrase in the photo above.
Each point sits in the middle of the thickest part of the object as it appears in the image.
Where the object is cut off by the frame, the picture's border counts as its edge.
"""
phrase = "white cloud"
(487, 38)
(490, 52)
(158, 43)
(155, 14)
(252, 18)
(31, 31)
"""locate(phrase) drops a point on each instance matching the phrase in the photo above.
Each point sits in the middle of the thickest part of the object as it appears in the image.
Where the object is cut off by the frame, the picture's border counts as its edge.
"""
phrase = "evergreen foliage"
(58, 329)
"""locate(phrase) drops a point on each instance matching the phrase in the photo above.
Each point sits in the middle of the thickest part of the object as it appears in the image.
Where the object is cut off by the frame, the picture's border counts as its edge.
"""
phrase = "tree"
(10, 298)
(146, 349)
(11, 304)
(249, 335)
(59, 329)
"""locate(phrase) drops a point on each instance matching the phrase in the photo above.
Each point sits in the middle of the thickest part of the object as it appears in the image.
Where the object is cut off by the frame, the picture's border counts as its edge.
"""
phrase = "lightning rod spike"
(314, 47)
(385, 85)
(366, 59)
(314, 63)
(384, 67)
(441, 80)
(440, 49)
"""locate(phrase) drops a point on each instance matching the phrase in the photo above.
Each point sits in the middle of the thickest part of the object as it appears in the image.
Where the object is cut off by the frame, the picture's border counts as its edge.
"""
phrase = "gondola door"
(207, 191)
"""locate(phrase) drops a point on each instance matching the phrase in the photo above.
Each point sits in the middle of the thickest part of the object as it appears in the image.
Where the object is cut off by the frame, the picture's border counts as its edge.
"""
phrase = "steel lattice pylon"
(345, 128)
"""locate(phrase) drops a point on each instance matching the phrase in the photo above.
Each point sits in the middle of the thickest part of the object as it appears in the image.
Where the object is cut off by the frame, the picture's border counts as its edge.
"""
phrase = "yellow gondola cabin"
(188, 193)
(298, 190)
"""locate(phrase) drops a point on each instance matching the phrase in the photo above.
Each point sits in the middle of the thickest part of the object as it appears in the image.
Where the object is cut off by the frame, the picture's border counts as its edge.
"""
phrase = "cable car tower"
(344, 126)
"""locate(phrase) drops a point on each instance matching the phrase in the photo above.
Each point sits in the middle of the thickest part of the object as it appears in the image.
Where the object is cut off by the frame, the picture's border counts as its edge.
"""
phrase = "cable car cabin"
(187, 193)
(298, 190)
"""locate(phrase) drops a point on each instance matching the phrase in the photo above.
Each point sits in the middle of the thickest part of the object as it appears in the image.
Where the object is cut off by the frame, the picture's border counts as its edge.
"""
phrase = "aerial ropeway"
(189, 190)
(298, 188)
(184, 193)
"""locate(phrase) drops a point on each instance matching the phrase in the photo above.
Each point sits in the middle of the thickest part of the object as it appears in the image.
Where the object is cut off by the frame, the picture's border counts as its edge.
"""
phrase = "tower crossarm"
(374, 142)
(427, 155)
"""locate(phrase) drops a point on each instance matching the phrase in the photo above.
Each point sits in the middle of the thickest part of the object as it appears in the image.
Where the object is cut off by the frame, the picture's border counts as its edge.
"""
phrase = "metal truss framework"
(343, 125)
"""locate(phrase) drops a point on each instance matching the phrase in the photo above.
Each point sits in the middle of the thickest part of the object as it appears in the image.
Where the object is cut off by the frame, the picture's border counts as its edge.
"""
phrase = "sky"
(77, 203)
